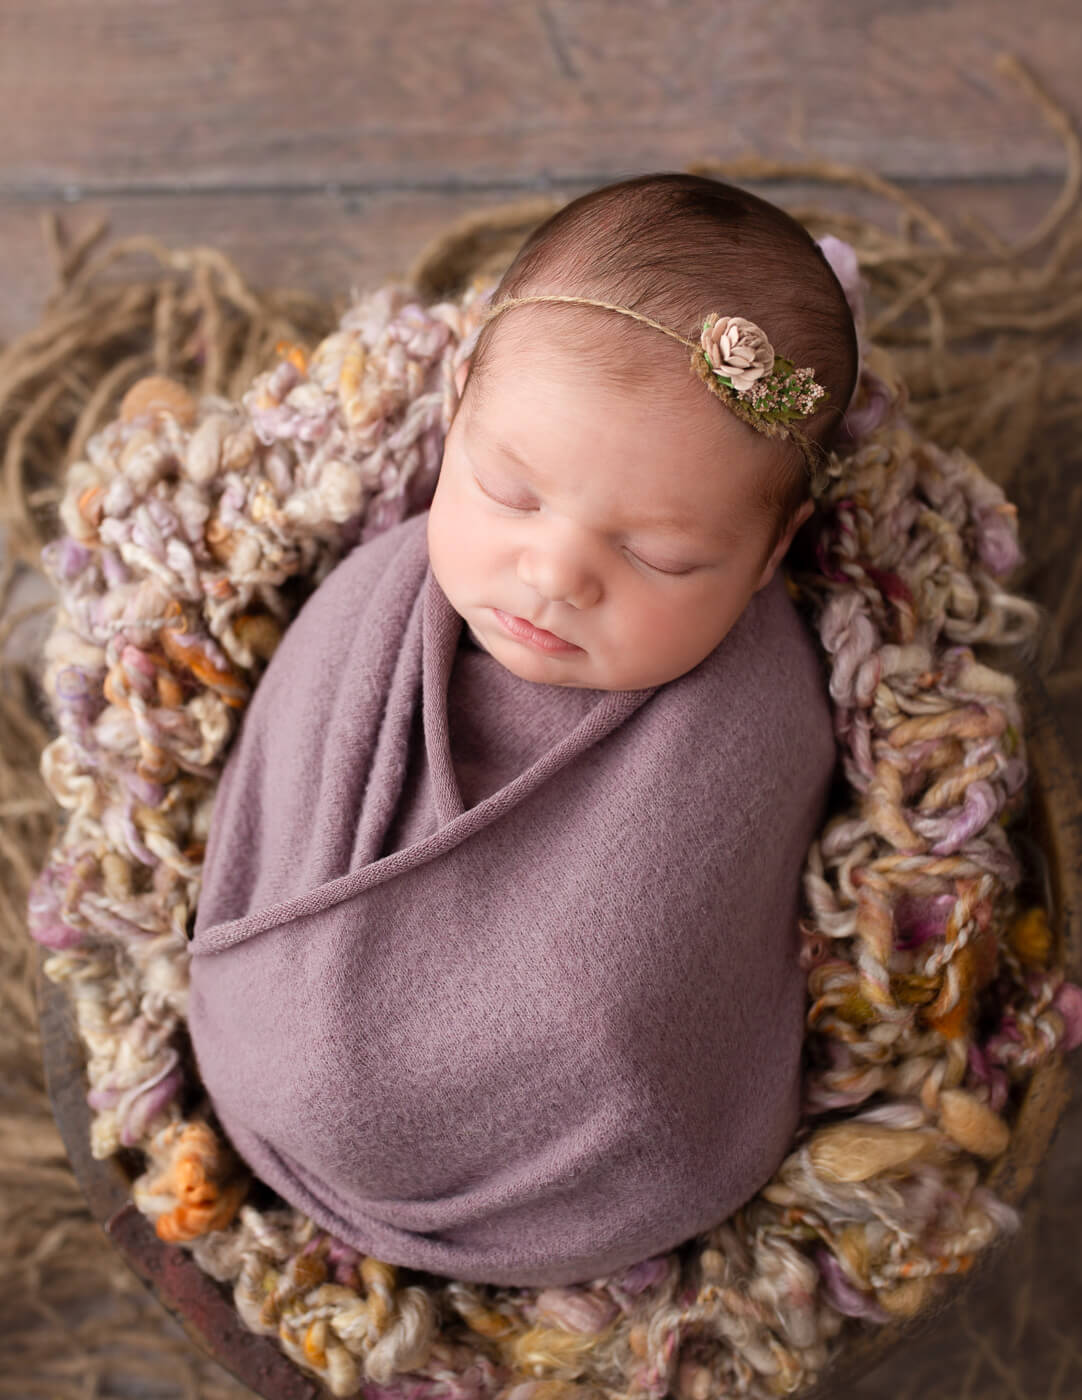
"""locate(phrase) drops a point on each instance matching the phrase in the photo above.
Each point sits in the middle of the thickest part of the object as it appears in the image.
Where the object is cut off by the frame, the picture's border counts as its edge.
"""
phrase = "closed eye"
(655, 568)
(659, 570)
(506, 504)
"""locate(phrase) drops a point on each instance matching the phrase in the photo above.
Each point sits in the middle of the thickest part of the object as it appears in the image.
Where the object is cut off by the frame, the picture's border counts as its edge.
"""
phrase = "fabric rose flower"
(737, 349)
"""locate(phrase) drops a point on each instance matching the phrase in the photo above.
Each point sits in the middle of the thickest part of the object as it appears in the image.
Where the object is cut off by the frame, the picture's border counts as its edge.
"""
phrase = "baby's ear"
(782, 546)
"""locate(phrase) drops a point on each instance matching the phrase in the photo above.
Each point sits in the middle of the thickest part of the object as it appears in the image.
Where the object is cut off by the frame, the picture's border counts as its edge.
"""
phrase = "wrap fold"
(535, 1034)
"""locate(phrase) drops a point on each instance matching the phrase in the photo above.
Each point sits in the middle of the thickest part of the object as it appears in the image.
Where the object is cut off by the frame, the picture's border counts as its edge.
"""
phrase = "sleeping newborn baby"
(495, 969)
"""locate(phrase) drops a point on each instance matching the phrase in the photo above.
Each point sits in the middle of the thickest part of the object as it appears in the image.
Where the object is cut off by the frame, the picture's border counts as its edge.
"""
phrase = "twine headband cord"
(736, 361)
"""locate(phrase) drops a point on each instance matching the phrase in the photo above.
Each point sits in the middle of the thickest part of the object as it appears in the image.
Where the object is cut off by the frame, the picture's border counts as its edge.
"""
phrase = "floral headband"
(738, 364)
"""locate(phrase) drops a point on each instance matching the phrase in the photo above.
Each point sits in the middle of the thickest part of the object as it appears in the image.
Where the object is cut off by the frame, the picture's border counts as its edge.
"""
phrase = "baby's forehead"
(727, 459)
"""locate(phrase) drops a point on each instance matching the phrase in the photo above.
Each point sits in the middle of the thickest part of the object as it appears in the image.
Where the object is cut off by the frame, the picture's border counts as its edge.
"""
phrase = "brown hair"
(676, 246)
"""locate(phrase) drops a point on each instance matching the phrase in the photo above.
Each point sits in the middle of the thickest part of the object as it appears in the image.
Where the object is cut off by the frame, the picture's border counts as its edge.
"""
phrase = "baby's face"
(617, 524)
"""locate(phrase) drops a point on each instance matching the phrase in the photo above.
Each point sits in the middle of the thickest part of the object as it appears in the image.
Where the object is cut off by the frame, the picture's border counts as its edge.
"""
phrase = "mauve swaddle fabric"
(528, 1041)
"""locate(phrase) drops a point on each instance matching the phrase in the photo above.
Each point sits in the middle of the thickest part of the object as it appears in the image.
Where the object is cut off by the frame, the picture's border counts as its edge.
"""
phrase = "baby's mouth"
(524, 631)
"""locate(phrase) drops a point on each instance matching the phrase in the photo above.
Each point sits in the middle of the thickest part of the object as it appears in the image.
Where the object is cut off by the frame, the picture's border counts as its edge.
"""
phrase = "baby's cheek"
(440, 555)
(459, 547)
(688, 626)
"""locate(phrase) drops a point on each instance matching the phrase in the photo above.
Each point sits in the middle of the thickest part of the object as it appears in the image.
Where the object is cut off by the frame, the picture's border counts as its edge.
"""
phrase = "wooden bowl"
(1049, 838)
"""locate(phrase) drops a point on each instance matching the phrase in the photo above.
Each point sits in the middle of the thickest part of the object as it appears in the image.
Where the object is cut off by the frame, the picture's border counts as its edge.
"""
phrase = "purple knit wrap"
(524, 1008)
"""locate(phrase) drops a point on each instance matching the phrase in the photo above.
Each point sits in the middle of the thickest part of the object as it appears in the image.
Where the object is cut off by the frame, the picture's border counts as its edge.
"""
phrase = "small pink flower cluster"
(785, 395)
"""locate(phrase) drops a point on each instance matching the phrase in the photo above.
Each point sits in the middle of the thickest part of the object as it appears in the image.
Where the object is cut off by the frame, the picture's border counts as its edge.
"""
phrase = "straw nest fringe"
(194, 520)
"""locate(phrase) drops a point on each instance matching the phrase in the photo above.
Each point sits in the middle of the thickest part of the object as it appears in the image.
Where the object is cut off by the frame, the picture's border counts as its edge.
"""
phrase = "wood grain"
(115, 97)
(331, 243)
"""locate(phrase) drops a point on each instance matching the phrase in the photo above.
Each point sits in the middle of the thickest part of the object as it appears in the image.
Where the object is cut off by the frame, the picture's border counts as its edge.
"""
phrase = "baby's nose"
(560, 575)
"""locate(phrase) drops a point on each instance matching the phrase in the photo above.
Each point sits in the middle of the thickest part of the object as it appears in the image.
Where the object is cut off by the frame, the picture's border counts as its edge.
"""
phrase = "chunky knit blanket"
(194, 531)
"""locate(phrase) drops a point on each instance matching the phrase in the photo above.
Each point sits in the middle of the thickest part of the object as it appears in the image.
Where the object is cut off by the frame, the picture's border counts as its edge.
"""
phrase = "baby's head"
(590, 482)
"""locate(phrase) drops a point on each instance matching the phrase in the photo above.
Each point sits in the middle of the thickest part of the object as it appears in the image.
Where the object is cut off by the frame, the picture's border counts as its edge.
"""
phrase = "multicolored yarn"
(194, 531)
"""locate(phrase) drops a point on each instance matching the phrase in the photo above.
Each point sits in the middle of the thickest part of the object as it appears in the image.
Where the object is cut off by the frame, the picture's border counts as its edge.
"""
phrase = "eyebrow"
(686, 525)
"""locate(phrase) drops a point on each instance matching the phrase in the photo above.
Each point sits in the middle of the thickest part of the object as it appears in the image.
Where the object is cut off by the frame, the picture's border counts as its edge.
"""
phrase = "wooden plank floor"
(323, 145)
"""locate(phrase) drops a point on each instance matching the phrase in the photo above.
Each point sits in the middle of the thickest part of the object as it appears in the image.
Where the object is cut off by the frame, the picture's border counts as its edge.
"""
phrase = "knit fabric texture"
(499, 980)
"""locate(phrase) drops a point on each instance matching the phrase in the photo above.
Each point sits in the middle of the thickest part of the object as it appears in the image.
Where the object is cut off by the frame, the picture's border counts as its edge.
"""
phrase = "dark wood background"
(323, 145)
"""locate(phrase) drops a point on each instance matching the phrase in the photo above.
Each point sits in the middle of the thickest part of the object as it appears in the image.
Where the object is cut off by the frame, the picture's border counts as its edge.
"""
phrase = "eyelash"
(670, 573)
